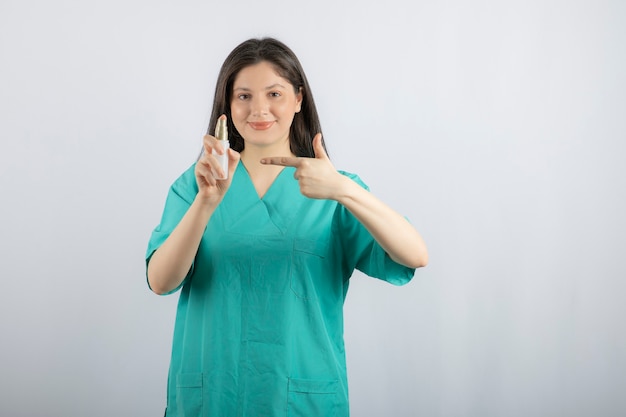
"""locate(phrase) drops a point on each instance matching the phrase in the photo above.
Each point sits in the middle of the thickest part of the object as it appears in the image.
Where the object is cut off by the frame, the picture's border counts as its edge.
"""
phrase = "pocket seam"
(313, 386)
(189, 380)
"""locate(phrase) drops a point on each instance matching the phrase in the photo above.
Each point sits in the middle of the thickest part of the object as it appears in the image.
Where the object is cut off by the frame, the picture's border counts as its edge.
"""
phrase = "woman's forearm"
(392, 231)
(171, 262)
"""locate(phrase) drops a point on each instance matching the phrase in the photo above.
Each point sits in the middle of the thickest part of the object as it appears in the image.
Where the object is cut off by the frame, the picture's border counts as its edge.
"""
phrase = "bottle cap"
(221, 131)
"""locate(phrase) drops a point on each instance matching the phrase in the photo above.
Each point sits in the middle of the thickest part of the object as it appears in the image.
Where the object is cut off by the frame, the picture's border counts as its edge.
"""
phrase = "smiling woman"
(263, 107)
(263, 258)
(286, 72)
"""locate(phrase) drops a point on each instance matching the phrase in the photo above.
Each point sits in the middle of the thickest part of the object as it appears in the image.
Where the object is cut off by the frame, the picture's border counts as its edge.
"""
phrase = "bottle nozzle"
(221, 131)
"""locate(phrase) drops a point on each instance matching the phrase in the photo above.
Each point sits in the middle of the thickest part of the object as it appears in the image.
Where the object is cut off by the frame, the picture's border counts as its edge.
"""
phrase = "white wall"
(498, 128)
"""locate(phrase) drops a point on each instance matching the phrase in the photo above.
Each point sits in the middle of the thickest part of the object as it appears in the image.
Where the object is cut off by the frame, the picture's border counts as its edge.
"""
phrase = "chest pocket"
(310, 258)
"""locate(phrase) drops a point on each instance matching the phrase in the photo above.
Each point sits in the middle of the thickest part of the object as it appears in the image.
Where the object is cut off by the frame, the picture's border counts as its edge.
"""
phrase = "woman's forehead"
(262, 74)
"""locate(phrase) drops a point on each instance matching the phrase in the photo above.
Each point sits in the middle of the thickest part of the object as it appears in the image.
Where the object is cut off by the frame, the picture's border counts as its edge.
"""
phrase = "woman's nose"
(259, 106)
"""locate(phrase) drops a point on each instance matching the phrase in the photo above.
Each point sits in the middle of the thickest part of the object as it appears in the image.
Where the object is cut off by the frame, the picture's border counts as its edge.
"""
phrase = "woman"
(264, 257)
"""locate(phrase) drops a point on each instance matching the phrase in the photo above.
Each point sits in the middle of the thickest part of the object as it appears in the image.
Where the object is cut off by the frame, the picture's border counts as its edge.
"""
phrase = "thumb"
(318, 148)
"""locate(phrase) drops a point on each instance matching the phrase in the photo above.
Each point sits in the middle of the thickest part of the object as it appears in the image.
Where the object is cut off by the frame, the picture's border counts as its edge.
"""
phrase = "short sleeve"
(362, 252)
(179, 198)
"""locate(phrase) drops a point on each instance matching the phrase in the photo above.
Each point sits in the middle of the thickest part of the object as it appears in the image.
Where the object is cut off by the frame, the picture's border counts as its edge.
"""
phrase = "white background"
(497, 127)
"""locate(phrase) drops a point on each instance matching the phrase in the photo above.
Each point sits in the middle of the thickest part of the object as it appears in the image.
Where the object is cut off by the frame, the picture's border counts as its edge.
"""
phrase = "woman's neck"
(262, 176)
(252, 155)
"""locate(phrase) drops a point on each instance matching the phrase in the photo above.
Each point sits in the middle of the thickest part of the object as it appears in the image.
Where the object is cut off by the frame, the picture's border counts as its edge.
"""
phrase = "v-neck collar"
(276, 179)
(245, 212)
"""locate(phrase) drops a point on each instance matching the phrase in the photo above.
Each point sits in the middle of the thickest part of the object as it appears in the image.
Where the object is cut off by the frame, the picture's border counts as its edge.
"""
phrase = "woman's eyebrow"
(274, 86)
(267, 88)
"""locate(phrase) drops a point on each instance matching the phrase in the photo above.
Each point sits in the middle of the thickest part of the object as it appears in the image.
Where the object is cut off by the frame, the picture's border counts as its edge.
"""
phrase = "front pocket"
(308, 397)
(189, 394)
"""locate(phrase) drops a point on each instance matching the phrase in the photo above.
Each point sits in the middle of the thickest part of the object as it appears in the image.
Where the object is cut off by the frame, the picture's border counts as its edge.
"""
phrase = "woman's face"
(263, 106)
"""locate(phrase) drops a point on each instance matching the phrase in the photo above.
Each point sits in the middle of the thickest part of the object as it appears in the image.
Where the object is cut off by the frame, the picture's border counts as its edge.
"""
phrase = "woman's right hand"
(171, 262)
(210, 189)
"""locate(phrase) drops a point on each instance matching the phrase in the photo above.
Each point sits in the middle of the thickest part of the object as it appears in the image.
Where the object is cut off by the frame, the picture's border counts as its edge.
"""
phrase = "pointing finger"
(287, 161)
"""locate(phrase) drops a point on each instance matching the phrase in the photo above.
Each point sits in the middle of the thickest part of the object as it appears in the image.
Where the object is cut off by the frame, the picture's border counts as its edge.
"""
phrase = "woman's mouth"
(260, 125)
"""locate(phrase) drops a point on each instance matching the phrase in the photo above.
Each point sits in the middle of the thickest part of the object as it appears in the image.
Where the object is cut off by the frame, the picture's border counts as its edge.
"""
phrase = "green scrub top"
(259, 326)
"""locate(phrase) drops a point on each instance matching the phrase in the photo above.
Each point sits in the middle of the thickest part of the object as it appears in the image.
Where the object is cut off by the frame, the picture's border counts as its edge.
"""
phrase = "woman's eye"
(275, 94)
(243, 96)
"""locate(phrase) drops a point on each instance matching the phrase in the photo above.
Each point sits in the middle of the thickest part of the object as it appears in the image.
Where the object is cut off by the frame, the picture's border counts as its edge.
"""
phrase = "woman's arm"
(319, 179)
(392, 231)
(171, 262)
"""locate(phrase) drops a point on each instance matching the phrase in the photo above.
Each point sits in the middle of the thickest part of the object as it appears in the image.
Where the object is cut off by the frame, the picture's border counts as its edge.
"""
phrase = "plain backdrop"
(497, 127)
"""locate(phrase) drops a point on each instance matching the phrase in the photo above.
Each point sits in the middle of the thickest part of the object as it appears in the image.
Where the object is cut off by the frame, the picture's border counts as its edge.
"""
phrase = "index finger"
(286, 161)
(211, 143)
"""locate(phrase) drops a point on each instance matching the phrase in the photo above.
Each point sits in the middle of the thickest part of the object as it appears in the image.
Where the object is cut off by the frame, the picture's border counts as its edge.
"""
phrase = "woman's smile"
(261, 125)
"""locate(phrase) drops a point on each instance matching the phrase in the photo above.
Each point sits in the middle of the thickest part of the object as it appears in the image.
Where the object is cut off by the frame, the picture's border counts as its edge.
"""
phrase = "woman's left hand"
(319, 179)
(317, 176)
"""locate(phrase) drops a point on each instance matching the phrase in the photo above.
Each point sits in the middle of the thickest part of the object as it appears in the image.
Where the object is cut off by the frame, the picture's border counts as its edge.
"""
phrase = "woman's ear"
(299, 100)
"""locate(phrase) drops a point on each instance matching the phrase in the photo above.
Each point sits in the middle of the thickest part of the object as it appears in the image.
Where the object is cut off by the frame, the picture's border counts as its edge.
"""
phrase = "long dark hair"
(305, 123)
